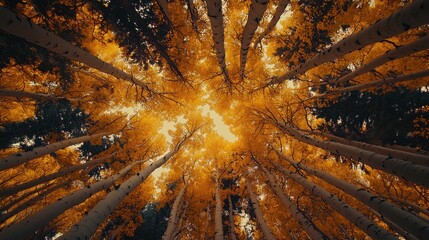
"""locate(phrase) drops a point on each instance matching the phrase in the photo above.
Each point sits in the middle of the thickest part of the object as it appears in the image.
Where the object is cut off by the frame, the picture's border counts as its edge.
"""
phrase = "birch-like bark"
(407, 221)
(29, 225)
(404, 169)
(21, 27)
(35, 96)
(231, 219)
(408, 149)
(306, 223)
(409, 17)
(396, 228)
(256, 12)
(87, 226)
(218, 213)
(378, 83)
(407, 156)
(214, 11)
(30, 202)
(399, 52)
(15, 189)
(276, 17)
(351, 214)
(259, 215)
(22, 157)
(174, 218)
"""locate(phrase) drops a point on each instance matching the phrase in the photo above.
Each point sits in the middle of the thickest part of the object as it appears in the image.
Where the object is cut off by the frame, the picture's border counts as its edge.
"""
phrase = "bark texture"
(256, 12)
(409, 17)
(173, 221)
(35, 96)
(276, 17)
(22, 157)
(21, 27)
(231, 219)
(218, 214)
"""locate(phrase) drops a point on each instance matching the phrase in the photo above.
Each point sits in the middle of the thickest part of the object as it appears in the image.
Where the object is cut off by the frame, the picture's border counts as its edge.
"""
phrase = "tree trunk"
(35, 96)
(164, 9)
(404, 169)
(400, 52)
(259, 216)
(218, 213)
(25, 228)
(396, 228)
(231, 219)
(174, 218)
(276, 17)
(22, 157)
(30, 202)
(407, 156)
(406, 220)
(15, 189)
(306, 223)
(351, 214)
(378, 83)
(87, 226)
(408, 149)
(194, 15)
(409, 17)
(214, 11)
(256, 12)
(21, 27)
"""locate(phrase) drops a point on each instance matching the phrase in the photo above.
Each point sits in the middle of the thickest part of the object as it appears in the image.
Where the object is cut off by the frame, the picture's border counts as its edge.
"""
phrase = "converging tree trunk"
(22, 157)
(276, 17)
(194, 14)
(259, 215)
(256, 12)
(173, 220)
(21, 27)
(87, 226)
(231, 219)
(218, 213)
(25, 228)
(60, 173)
(350, 213)
(306, 223)
(214, 11)
(409, 17)
(35, 96)
(405, 220)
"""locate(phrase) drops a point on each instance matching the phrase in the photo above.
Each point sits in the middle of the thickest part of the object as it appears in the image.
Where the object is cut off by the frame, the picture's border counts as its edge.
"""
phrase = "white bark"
(306, 224)
(231, 219)
(21, 27)
(87, 226)
(409, 17)
(407, 221)
(402, 51)
(276, 17)
(256, 12)
(407, 156)
(35, 96)
(259, 215)
(214, 11)
(173, 221)
(47, 178)
(218, 214)
(351, 214)
(404, 169)
(378, 83)
(25, 228)
(22, 157)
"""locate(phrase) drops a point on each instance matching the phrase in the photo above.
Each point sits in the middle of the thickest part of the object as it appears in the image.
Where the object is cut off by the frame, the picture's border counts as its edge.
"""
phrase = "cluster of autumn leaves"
(282, 179)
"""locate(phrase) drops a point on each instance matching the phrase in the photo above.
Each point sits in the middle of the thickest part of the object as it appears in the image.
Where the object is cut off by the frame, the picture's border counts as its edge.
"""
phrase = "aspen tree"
(50, 177)
(35, 96)
(193, 13)
(218, 213)
(403, 219)
(25, 228)
(231, 219)
(256, 12)
(350, 213)
(412, 16)
(173, 220)
(214, 11)
(21, 27)
(13, 201)
(259, 215)
(87, 226)
(22, 157)
(274, 20)
(306, 223)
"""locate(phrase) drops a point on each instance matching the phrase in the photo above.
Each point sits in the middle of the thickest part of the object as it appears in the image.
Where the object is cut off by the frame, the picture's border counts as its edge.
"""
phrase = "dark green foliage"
(377, 118)
(58, 120)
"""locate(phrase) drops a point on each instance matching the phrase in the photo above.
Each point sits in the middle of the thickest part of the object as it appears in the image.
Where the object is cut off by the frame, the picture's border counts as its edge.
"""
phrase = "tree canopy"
(211, 119)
